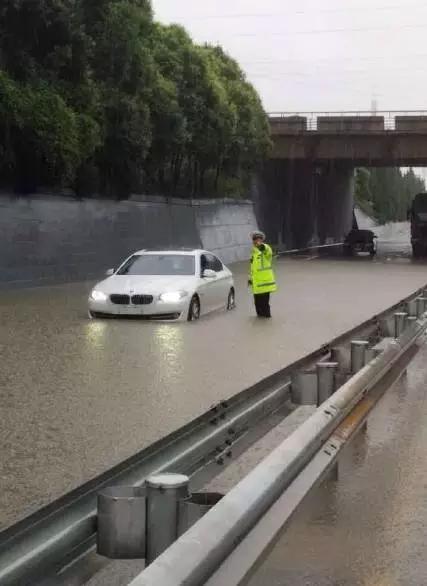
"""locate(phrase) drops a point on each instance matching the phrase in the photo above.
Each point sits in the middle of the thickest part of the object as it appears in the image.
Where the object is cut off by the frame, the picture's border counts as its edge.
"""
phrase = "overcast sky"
(314, 55)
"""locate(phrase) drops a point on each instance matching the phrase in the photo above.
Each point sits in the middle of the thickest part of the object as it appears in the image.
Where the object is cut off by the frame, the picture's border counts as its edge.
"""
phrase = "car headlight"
(173, 296)
(98, 296)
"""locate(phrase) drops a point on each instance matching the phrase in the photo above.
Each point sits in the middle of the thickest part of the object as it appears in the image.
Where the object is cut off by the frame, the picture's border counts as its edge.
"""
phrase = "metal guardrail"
(62, 532)
(387, 120)
(199, 553)
(33, 546)
(250, 552)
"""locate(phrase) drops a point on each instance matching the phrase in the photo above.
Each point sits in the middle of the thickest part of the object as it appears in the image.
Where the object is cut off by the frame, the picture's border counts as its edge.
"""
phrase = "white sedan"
(169, 285)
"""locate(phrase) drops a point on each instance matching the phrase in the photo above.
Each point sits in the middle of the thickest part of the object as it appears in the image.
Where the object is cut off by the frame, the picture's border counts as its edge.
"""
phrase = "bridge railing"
(409, 121)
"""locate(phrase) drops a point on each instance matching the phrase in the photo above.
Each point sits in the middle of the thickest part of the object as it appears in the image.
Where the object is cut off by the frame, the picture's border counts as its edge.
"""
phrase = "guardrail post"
(421, 306)
(304, 388)
(192, 509)
(326, 380)
(399, 323)
(164, 491)
(358, 355)
(412, 319)
(121, 523)
(334, 473)
(411, 307)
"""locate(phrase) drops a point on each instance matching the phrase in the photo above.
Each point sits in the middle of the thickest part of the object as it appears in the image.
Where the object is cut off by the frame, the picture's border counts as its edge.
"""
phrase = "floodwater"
(370, 527)
(78, 396)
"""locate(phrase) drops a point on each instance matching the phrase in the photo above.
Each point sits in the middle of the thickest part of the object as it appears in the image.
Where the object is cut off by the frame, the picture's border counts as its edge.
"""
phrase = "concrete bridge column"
(301, 204)
(336, 202)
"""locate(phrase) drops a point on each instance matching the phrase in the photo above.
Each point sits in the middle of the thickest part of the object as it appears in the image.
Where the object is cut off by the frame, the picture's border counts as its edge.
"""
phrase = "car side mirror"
(110, 272)
(209, 274)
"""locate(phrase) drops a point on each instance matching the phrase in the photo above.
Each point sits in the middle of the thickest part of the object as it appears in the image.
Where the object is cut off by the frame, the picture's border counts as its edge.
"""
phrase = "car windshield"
(159, 264)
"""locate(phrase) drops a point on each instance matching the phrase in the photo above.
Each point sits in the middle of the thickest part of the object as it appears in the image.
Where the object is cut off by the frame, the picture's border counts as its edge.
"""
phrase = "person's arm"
(266, 250)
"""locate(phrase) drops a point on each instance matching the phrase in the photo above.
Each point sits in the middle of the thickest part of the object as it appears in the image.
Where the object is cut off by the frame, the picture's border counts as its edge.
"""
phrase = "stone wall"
(46, 240)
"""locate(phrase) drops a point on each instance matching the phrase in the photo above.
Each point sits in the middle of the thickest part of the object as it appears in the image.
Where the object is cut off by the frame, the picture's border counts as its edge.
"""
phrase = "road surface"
(78, 396)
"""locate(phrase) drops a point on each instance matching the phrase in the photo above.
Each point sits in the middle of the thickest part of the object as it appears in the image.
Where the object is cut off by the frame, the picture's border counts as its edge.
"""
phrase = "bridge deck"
(363, 139)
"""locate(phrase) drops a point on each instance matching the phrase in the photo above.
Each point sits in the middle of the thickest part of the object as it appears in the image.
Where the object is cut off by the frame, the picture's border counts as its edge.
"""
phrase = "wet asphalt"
(370, 527)
(78, 396)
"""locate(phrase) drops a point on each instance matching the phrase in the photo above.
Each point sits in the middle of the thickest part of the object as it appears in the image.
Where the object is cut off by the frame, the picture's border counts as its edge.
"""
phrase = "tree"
(97, 96)
(387, 193)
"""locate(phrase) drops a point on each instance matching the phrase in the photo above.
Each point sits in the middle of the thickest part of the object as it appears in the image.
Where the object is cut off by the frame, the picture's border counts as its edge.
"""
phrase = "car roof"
(183, 251)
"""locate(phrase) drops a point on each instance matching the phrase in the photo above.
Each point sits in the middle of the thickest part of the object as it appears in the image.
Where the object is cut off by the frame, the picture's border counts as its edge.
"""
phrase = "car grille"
(135, 299)
(120, 299)
(142, 299)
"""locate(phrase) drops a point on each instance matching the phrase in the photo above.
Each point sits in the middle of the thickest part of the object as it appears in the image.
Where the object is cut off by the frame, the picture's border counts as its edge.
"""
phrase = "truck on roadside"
(417, 214)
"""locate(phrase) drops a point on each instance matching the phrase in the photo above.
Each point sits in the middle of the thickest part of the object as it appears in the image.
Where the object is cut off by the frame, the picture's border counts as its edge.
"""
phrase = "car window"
(159, 264)
(211, 262)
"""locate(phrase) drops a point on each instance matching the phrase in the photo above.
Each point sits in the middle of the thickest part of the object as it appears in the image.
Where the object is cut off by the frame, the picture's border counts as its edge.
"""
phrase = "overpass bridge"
(304, 194)
(360, 138)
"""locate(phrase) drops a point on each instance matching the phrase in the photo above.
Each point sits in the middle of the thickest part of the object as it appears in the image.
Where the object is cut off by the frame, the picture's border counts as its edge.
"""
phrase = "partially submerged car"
(169, 285)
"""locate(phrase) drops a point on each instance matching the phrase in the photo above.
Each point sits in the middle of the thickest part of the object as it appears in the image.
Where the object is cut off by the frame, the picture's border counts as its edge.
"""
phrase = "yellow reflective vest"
(261, 271)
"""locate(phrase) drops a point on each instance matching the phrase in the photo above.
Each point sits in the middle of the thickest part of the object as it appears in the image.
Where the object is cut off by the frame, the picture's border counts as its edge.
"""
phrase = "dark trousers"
(262, 304)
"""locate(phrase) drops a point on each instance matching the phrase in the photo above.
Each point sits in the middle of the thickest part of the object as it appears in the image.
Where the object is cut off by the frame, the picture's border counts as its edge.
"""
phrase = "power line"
(333, 31)
(357, 59)
(394, 75)
(365, 9)
(341, 71)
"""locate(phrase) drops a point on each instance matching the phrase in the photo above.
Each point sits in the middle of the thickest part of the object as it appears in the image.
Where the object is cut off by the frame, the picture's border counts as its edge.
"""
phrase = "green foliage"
(97, 96)
(42, 140)
(386, 194)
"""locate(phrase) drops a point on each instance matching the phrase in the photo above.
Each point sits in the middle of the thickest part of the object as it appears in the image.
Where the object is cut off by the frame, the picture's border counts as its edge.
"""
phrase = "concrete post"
(399, 323)
(164, 491)
(326, 384)
(121, 523)
(358, 355)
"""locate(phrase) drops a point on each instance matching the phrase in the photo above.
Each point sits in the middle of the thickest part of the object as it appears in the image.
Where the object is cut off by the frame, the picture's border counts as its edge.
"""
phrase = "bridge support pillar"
(301, 203)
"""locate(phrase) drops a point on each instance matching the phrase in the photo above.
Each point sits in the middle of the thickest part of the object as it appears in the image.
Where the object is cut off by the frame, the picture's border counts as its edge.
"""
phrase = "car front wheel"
(194, 309)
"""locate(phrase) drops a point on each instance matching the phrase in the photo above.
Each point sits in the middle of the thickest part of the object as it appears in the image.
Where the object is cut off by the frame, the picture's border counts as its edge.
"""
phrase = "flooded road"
(78, 396)
(370, 527)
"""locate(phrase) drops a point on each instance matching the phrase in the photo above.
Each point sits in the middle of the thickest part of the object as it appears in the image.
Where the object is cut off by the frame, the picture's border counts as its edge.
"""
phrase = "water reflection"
(95, 331)
(168, 340)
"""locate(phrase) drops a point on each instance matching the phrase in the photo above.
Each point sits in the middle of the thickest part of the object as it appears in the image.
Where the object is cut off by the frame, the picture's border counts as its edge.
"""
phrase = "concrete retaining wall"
(46, 240)
(225, 227)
